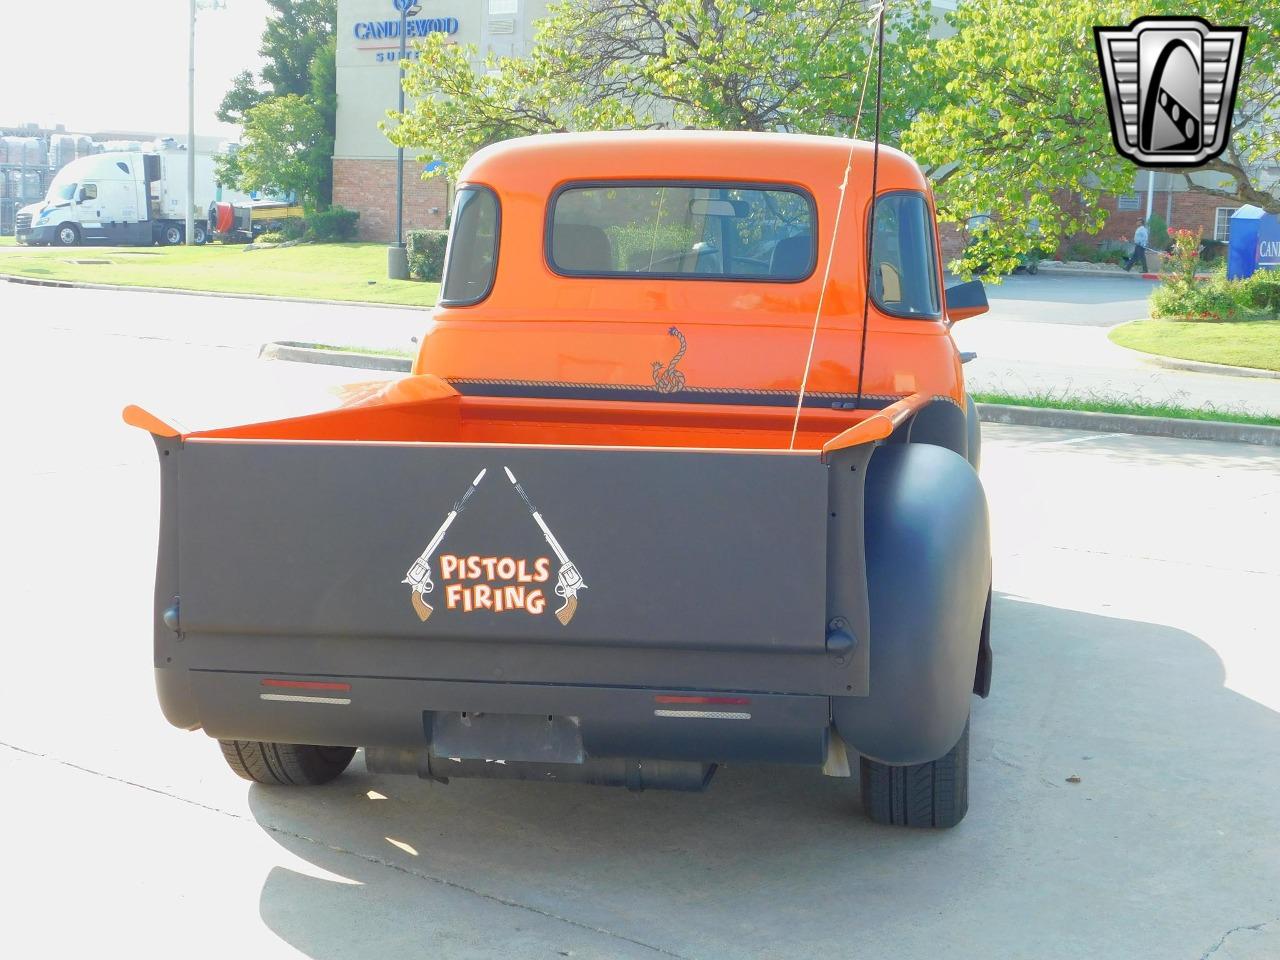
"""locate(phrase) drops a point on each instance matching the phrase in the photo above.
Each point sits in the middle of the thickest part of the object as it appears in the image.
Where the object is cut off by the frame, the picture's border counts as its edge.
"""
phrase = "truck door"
(88, 208)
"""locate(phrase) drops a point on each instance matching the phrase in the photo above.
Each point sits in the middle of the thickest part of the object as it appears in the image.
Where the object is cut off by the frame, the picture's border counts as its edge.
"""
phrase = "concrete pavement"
(1134, 635)
(1044, 334)
(1048, 334)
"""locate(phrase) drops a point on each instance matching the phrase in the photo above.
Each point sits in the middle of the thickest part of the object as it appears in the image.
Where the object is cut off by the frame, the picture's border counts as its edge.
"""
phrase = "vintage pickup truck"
(653, 498)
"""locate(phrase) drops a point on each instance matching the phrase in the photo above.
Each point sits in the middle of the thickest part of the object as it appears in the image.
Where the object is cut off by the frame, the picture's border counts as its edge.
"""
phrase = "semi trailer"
(128, 198)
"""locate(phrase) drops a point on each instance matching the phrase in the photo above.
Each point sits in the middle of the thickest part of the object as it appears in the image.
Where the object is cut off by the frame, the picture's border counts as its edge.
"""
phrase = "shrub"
(1092, 253)
(334, 224)
(426, 254)
(270, 236)
(1261, 292)
(1158, 231)
(294, 228)
(1213, 251)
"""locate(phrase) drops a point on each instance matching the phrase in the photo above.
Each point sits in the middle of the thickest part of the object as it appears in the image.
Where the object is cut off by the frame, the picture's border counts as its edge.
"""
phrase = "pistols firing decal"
(496, 584)
(568, 579)
(419, 575)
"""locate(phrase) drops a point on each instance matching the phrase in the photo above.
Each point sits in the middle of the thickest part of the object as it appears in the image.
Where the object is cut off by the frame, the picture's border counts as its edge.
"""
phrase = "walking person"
(1139, 255)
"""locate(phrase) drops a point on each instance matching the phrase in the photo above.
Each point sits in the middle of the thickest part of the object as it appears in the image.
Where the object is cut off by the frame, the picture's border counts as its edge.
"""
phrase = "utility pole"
(397, 256)
(190, 232)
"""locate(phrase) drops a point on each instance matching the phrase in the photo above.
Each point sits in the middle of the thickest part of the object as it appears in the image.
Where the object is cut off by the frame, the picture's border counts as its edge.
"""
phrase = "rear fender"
(928, 562)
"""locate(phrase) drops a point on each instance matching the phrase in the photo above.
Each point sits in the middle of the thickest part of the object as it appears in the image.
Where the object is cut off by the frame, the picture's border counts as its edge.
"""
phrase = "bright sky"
(121, 64)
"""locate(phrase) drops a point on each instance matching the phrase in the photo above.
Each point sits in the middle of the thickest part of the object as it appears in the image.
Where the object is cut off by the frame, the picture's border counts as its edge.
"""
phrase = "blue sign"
(1269, 242)
(1253, 242)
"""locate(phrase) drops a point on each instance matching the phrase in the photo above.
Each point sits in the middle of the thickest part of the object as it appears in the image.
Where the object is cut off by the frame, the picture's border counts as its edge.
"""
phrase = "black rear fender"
(928, 575)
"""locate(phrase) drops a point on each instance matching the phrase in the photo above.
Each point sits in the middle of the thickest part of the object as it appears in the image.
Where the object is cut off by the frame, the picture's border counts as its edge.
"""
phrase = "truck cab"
(684, 474)
(125, 198)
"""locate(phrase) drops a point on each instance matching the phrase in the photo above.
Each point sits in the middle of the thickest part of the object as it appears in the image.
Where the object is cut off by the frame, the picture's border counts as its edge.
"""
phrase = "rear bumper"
(514, 721)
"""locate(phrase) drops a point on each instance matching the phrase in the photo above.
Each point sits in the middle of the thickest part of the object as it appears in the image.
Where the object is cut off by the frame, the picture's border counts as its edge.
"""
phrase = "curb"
(80, 285)
(311, 353)
(1204, 366)
(987, 412)
(1156, 276)
(1127, 423)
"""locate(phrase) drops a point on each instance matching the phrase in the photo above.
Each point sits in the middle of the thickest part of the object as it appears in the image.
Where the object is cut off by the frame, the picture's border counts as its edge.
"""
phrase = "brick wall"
(1190, 211)
(952, 238)
(369, 187)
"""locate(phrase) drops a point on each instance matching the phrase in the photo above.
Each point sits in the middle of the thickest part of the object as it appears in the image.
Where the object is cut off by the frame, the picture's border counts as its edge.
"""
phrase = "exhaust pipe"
(634, 774)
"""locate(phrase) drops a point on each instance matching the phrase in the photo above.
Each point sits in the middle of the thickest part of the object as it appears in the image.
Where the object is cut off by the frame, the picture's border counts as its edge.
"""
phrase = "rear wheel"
(285, 764)
(200, 235)
(934, 794)
(171, 236)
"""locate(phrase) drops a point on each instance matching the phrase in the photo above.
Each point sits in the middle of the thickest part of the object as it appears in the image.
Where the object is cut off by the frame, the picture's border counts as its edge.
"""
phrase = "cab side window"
(904, 262)
(472, 257)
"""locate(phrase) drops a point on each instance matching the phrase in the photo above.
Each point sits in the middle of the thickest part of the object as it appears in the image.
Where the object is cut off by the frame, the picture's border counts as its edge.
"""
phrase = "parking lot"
(1126, 769)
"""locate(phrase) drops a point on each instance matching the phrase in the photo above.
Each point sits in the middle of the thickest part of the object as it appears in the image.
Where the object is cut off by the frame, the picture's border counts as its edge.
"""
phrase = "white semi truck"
(129, 198)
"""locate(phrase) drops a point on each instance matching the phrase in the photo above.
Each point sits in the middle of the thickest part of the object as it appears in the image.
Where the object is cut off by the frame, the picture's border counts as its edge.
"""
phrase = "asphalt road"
(1081, 300)
(1135, 649)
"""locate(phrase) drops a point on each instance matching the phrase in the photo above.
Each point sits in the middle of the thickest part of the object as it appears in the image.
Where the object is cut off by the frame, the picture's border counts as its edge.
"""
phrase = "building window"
(503, 8)
(1128, 201)
(1222, 223)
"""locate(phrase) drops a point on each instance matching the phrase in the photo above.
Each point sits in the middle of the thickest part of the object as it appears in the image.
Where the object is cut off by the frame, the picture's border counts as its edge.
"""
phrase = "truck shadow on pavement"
(1113, 776)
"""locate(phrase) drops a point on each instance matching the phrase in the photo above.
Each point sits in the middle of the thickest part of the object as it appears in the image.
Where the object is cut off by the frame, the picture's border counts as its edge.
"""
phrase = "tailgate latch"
(840, 639)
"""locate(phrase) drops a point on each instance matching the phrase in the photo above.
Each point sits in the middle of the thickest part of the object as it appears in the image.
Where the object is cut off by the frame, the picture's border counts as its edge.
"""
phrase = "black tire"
(1033, 267)
(67, 235)
(285, 764)
(934, 794)
(201, 235)
(171, 235)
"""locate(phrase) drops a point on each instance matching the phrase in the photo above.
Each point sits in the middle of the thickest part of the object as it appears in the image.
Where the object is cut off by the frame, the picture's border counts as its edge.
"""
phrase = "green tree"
(324, 97)
(284, 139)
(1017, 124)
(295, 31)
(616, 64)
(299, 50)
(244, 94)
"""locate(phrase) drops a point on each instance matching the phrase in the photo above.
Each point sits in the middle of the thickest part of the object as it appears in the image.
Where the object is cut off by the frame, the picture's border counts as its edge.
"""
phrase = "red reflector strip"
(734, 701)
(306, 684)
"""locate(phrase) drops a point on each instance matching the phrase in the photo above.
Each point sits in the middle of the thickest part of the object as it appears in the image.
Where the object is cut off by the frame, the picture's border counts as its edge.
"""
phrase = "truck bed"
(714, 582)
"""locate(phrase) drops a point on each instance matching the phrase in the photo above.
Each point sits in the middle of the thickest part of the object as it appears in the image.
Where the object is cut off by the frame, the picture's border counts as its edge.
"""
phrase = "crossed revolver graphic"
(568, 579)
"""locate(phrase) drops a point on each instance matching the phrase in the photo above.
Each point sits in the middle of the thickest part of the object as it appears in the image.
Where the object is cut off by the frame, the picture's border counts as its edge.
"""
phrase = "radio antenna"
(871, 224)
(878, 52)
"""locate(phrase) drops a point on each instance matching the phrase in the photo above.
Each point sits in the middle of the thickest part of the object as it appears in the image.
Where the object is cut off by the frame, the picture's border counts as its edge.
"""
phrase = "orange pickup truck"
(668, 486)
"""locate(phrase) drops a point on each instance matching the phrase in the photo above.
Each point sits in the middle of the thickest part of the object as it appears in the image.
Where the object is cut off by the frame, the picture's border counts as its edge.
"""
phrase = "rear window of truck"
(682, 231)
(904, 273)
(472, 257)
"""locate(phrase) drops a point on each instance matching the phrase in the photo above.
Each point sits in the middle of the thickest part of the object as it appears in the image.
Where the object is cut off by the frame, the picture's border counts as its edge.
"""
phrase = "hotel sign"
(382, 37)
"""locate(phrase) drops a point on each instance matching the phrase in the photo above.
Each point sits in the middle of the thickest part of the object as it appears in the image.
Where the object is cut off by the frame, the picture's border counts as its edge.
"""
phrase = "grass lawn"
(332, 271)
(1137, 408)
(1247, 343)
